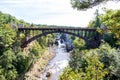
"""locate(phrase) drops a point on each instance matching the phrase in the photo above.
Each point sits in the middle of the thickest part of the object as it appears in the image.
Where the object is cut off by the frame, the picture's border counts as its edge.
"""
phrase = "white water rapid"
(57, 64)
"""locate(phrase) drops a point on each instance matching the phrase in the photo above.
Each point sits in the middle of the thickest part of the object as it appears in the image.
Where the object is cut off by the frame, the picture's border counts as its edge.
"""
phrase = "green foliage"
(91, 24)
(40, 40)
(22, 35)
(2, 77)
(97, 20)
(95, 64)
(112, 20)
(111, 58)
(7, 35)
(96, 23)
(45, 41)
(69, 74)
(79, 43)
(37, 50)
(109, 38)
(95, 69)
(7, 61)
(22, 62)
(85, 65)
(85, 4)
(13, 61)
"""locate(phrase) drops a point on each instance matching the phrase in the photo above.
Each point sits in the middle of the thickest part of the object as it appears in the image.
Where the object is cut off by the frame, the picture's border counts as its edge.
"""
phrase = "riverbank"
(56, 66)
(39, 67)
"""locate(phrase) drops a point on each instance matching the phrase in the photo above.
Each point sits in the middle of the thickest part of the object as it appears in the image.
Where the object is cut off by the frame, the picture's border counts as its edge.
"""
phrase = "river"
(56, 66)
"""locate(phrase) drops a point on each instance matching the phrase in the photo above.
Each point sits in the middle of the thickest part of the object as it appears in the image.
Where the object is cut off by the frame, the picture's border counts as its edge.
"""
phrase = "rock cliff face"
(67, 41)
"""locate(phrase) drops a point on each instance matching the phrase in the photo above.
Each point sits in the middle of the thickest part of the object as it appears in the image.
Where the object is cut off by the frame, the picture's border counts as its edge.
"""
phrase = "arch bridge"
(91, 36)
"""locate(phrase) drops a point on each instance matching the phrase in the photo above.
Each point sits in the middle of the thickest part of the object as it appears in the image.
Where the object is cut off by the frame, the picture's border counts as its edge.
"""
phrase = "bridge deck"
(58, 28)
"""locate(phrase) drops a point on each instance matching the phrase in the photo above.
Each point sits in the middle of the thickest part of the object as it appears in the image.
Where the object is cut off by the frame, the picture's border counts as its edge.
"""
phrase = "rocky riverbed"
(56, 65)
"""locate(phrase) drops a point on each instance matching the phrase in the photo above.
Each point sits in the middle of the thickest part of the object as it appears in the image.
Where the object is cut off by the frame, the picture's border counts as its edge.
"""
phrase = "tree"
(85, 4)
(96, 23)
(110, 57)
(97, 20)
(85, 65)
(79, 43)
(112, 21)
(13, 61)
(6, 61)
(7, 35)
(2, 77)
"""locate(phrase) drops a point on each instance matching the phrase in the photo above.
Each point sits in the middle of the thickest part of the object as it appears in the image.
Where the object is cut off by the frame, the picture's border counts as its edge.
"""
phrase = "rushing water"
(57, 64)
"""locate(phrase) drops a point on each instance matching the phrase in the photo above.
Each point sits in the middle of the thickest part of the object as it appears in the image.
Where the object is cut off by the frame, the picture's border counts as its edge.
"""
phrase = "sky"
(51, 12)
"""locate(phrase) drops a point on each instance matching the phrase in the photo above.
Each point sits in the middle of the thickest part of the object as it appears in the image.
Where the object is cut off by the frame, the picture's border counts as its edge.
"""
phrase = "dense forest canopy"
(111, 21)
(15, 61)
(101, 63)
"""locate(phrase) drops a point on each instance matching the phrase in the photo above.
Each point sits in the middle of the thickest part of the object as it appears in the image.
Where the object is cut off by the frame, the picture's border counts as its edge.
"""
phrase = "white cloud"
(55, 12)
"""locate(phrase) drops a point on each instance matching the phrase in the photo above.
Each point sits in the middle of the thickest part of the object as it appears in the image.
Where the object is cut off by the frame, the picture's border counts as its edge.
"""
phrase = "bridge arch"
(25, 43)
